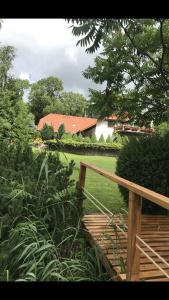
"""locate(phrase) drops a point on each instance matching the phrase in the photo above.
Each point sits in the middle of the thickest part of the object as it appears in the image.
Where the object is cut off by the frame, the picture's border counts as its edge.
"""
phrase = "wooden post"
(134, 227)
(82, 176)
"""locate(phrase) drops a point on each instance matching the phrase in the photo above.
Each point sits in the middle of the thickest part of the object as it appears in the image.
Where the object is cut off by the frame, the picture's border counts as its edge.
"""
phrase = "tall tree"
(69, 103)
(7, 55)
(14, 116)
(74, 104)
(44, 92)
(135, 67)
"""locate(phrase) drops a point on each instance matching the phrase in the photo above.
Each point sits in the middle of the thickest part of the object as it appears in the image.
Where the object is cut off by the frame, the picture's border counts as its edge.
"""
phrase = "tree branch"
(144, 53)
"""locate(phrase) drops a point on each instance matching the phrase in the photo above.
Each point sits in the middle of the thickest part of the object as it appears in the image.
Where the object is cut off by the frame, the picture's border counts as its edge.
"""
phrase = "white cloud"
(46, 47)
(24, 75)
(71, 53)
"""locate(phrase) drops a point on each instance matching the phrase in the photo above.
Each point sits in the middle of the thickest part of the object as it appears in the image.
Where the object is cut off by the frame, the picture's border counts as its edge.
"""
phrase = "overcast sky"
(46, 47)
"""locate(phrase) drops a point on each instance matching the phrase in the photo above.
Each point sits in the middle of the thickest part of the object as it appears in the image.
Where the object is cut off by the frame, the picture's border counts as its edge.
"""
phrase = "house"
(89, 126)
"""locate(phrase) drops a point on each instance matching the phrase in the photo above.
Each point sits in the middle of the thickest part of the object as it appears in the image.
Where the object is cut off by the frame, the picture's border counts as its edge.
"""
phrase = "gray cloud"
(48, 51)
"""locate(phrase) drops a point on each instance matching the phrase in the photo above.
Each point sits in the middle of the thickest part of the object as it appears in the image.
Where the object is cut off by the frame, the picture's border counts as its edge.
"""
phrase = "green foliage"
(80, 137)
(94, 29)
(74, 104)
(47, 132)
(44, 92)
(46, 97)
(61, 132)
(40, 220)
(30, 241)
(37, 134)
(136, 53)
(68, 103)
(75, 137)
(109, 140)
(67, 136)
(93, 138)
(7, 55)
(86, 139)
(162, 129)
(15, 119)
(101, 139)
(75, 145)
(145, 162)
(121, 139)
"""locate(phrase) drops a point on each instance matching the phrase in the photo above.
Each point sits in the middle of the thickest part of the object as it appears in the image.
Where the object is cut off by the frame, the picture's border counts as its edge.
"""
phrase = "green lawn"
(103, 189)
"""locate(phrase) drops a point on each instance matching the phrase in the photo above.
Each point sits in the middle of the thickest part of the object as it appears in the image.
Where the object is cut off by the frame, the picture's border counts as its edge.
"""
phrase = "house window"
(111, 123)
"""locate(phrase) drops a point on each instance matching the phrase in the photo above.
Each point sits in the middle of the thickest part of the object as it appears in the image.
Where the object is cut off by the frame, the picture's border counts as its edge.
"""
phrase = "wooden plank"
(151, 274)
(113, 247)
(159, 279)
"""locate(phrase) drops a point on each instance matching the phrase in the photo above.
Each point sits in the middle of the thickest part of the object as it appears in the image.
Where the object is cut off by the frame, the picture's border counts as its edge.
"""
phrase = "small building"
(90, 126)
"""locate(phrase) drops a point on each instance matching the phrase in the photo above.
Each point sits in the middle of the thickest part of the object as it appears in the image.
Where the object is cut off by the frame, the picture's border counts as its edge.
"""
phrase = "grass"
(103, 189)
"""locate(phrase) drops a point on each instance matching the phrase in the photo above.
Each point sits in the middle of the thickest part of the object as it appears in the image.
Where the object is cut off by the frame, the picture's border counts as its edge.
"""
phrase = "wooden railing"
(136, 193)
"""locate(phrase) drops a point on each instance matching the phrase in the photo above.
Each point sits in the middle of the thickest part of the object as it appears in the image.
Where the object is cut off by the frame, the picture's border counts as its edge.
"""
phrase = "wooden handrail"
(136, 193)
(138, 189)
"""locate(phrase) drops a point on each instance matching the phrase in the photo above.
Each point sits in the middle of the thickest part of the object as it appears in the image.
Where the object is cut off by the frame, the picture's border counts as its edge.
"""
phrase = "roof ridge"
(70, 116)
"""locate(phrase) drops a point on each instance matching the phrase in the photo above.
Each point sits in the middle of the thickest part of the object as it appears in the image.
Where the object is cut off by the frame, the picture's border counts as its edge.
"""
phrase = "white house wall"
(102, 128)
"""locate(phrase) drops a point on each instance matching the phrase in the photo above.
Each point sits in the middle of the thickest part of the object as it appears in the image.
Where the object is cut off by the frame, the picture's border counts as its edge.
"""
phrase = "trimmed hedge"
(81, 147)
(145, 161)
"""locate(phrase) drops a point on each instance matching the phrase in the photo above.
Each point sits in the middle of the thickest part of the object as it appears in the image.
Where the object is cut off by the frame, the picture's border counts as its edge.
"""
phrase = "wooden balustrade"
(136, 193)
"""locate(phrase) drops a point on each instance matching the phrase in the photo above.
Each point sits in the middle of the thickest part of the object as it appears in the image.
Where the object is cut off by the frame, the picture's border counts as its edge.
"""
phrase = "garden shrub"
(61, 132)
(93, 138)
(121, 139)
(145, 161)
(109, 140)
(40, 214)
(80, 138)
(33, 180)
(81, 146)
(86, 139)
(67, 136)
(162, 129)
(47, 132)
(75, 137)
(37, 141)
(101, 139)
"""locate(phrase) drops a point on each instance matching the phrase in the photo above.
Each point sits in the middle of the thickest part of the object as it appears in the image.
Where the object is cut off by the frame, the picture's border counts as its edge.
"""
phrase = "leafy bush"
(67, 136)
(32, 181)
(109, 140)
(32, 243)
(38, 141)
(86, 139)
(145, 162)
(80, 138)
(101, 139)
(40, 218)
(61, 131)
(47, 132)
(162, 129)
(73, 145)
(75, 137)
(37, 134)
(93, 138)
(121, 139)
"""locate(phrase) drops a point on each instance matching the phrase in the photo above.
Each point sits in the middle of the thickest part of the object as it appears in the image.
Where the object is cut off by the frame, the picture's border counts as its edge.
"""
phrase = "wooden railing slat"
(138, 189)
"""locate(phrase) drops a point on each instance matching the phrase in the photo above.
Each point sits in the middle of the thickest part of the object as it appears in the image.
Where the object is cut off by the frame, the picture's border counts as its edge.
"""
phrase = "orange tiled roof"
(72, 124)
